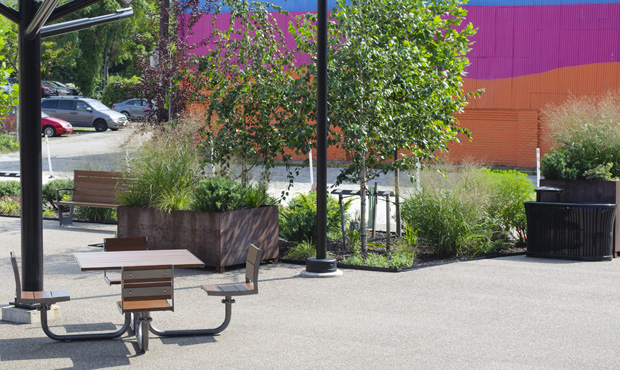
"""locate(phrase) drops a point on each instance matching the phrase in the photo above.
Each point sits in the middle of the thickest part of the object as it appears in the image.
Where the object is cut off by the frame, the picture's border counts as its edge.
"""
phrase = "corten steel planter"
(590, 191)
(219, 239)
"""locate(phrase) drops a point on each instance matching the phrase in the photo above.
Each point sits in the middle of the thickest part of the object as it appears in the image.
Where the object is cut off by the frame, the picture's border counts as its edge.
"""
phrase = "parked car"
(83, 112)
(67, 90)
(136, 108)
(48, 91)
(61, 90)
(49, 126)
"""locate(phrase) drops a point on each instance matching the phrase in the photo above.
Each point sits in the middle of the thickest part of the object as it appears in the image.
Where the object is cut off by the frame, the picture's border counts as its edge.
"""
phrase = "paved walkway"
(503, 313)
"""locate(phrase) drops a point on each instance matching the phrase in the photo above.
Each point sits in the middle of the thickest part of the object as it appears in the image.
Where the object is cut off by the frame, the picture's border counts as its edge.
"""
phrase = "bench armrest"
(58, 192)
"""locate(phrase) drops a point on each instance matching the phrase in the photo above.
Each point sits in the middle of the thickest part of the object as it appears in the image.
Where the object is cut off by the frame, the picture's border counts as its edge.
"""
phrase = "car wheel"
(114, 129)
(126, 114)
(49, 131)
(100, 125)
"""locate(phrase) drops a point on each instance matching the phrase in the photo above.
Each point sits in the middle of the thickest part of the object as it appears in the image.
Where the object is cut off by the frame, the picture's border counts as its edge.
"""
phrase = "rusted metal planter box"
(218, 239)
(590, 191)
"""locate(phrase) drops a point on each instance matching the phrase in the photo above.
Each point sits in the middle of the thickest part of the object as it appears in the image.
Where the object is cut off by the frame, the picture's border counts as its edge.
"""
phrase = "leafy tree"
(6, 99)
(167, 68)
(395, 72)
(248, 72)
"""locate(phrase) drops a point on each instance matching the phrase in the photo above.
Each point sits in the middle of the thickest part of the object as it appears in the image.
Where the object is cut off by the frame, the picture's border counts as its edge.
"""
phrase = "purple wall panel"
(552, 37)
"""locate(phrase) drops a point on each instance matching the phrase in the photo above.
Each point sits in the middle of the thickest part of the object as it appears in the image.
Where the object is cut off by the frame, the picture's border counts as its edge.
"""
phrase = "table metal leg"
(142, 324)
(76, 337)
(197, 332)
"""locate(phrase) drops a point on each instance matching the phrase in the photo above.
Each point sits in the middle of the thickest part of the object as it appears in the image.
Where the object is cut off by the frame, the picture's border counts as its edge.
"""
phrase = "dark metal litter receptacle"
(581, 231)
(548, 194)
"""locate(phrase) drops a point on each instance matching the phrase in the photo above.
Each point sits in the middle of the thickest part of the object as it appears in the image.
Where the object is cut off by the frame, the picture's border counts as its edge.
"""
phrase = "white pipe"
(537, 167)
(311, 168)
(49, 158)
(417, 176)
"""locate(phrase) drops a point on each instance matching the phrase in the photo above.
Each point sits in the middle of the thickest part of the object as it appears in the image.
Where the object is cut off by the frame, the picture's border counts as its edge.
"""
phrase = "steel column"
(30, 150)
(321, 264)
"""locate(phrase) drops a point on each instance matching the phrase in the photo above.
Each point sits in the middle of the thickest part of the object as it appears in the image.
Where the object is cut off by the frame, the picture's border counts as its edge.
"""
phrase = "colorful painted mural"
(527, 54)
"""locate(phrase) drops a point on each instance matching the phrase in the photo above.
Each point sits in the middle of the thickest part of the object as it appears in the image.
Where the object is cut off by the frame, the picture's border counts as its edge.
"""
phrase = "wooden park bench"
(91, 189)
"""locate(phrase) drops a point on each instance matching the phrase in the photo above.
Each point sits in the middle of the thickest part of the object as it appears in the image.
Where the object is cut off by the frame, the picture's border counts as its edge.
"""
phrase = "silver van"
(83, 112)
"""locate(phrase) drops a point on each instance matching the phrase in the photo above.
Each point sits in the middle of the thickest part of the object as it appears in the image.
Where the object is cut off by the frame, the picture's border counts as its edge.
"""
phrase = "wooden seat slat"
(140, 306)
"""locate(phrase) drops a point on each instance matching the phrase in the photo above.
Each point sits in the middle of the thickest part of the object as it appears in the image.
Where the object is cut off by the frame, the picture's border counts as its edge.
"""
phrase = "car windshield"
(60, 84)
(97, 105)
(44, 115)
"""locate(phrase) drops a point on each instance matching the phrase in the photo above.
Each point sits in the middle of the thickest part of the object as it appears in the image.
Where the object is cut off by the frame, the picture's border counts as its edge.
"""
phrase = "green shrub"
(10, 205)
(392, 260)
(298, 220)
(301, 251)
(475, 213)
(8, 143)
(586, 133)
(49, 189)
(218, 194)
(96, 214)
(9, 188)
(120, 89)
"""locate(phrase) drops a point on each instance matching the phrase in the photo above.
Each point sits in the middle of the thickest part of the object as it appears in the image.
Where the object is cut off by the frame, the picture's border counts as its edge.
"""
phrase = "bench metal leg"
(76, 337)
(64, 218)
(142, 324)
(198, 332)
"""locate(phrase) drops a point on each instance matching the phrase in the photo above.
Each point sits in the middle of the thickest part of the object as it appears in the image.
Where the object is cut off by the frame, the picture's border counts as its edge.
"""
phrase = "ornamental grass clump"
(474, 211)
(585, 132)
(164, 173)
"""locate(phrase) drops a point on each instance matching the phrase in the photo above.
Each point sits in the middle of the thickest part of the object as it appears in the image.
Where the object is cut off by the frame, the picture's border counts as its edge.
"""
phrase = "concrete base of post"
(326, 267)
(27, 316)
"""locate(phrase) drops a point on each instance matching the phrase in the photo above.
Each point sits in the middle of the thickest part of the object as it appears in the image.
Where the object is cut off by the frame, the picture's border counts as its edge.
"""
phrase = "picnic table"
(90, 261)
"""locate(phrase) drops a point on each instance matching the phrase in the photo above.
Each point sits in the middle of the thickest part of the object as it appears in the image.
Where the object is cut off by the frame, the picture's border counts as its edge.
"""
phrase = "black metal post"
(30, 150)
(321, 264)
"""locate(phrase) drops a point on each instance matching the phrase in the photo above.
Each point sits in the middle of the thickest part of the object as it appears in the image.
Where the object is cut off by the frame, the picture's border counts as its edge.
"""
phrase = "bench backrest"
(18, 283)
(252, 264)
(125, 244)
(98, 186)
(148, 283)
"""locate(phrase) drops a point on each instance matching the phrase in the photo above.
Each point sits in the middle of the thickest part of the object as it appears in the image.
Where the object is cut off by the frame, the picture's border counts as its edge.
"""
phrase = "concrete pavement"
(504, 313)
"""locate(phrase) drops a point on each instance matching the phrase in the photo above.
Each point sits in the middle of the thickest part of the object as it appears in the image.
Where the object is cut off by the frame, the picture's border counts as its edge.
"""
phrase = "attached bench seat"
(143, 290)
(122, 244)
(98, 189)
(35, 299)
(251, 278)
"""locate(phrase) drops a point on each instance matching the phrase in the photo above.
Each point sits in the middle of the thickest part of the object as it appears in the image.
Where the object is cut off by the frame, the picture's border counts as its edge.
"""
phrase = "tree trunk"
(105, 65)
(397, 195)
(363, 236)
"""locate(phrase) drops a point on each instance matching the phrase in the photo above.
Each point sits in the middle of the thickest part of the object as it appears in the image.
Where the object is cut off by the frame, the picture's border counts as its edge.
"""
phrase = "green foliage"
(474, 213)
(162, 172)
(218, 195)
(586, 131)
(301, 251)
(392, 260)
(119, 89)
(49, 189)
(9, 188)
(256, 196)
(10, 205)
(248, 74)
(298, 219)
(96, 214)
(8, 143)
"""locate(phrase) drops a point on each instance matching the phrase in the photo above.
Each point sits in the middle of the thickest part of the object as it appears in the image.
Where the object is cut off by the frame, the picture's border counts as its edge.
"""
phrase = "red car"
(50, 126)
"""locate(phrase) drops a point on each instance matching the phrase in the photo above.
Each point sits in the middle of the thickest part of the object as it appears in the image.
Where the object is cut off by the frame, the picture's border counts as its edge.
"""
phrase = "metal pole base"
(321, 266)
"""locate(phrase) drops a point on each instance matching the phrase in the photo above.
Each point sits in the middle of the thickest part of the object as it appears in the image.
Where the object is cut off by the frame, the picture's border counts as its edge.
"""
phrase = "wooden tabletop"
(117, 260)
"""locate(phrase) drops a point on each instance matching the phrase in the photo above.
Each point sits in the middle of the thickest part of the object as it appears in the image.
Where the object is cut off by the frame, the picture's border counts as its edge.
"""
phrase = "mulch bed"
(424, 255)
